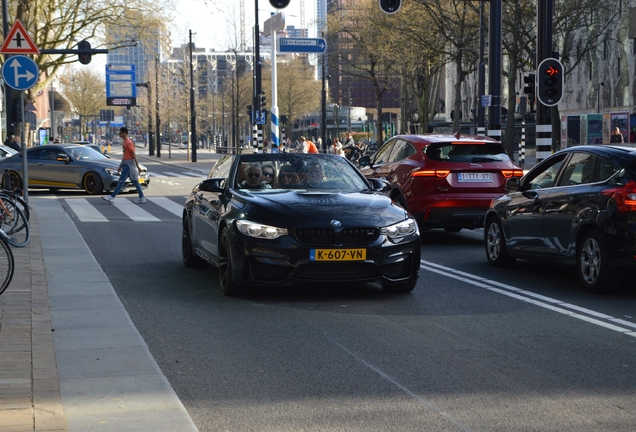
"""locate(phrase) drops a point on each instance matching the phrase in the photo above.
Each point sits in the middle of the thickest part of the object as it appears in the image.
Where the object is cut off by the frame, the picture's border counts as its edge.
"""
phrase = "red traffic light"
(551, 71)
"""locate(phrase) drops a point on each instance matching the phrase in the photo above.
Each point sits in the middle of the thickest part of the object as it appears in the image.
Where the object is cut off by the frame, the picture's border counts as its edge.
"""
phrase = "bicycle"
(13, 221)
(7, 264)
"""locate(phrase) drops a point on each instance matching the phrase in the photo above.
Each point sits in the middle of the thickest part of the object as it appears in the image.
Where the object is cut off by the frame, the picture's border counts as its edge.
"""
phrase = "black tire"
(399, 287)
(228, 286)
(495, 244)
(15, 181)
(399, 198)
(6, 266)
(93, 184)
(190, 259)
(592, 265)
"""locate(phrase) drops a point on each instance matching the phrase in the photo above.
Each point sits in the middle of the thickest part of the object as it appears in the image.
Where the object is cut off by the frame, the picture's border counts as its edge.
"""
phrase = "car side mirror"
(513, 184)
(380, 185)
(212, 185)
(63, 158)
(364, 161)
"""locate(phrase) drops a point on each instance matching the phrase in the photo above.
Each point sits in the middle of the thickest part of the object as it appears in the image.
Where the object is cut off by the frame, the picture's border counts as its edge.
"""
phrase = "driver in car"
(253, 180)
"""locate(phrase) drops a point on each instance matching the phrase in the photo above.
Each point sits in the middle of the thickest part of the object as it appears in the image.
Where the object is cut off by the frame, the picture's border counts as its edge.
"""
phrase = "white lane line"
(193, 174)
(532, 298)
(134, 211)
(167, 204)
(85, 211)
(172, 174)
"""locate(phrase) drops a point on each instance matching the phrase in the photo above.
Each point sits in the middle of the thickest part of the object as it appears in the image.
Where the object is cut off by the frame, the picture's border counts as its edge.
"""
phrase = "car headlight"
(400, 229)
(257, 230)
(111, 171)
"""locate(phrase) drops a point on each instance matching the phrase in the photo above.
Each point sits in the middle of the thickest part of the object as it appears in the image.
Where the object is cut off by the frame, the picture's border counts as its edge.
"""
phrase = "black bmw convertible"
(284, 219)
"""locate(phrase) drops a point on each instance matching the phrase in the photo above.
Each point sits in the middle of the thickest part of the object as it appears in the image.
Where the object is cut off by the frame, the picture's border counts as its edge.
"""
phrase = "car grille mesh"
(327, 236)
(267, 272)
(397, 270)
(335, 271)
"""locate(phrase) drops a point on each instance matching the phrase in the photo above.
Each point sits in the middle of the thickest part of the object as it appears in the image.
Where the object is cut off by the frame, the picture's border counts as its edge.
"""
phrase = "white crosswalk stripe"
(174, 174)
(168, 204)
(134, 211)
(96, 210)
(85, 211)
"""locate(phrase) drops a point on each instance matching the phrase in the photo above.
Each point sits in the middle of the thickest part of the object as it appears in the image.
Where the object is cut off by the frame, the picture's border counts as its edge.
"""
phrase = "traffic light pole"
(545, 10)
(257, 76)
(494, 70)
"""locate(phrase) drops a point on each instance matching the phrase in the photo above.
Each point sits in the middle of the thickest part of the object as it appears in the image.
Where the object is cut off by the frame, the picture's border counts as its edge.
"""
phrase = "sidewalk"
(70, 357)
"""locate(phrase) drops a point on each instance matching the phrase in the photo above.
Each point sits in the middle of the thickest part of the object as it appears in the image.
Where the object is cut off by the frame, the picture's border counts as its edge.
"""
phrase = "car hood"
(319, 208)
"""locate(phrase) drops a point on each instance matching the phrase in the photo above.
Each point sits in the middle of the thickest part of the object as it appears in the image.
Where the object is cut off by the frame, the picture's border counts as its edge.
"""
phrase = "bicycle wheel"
(6, 265)
(19, 201)
(18, 236)
(8, 214)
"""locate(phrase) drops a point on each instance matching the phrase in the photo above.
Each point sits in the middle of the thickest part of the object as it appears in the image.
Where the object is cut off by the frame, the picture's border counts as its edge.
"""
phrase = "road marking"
(134, 211)
(85, 211)
(555, 305)
(167, 204)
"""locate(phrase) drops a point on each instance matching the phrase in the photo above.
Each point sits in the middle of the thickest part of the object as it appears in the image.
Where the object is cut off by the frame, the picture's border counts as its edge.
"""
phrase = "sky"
(208, 19)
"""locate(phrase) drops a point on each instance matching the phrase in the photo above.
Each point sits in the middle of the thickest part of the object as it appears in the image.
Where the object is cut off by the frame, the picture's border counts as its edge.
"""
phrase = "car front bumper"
(285, 261)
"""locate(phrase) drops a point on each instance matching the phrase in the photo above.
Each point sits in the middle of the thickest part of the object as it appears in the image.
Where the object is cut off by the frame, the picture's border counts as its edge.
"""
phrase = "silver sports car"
(67, 166)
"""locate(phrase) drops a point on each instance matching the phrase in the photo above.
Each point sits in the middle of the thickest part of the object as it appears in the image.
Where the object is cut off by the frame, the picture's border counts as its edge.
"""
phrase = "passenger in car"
(287, 178)
(252, 176)
(268, 174)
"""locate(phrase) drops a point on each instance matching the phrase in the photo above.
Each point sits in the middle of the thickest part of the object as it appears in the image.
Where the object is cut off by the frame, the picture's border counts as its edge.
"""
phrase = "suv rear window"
(473, 152)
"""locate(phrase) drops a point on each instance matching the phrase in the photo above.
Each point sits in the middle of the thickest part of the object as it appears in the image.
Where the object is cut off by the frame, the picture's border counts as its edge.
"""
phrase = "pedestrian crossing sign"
(18, 41)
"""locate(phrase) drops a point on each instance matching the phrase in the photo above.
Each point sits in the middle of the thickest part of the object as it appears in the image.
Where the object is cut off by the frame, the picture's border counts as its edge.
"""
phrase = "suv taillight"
(624, 196)
(512, 173)
(430, 173)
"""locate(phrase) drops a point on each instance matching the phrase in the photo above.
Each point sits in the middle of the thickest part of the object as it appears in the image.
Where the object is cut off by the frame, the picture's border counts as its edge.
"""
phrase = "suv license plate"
(337, 254)
(475, 177)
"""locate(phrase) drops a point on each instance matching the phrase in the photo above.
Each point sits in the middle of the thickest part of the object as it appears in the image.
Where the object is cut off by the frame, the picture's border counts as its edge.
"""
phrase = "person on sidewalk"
(129, 167)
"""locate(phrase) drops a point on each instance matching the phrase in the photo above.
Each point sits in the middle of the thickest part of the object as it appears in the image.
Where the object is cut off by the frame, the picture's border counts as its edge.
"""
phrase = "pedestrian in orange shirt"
(308, 146)
(129, 167)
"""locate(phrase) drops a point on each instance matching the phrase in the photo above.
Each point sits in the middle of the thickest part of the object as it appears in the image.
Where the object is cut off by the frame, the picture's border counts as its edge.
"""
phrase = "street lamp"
(598, 97)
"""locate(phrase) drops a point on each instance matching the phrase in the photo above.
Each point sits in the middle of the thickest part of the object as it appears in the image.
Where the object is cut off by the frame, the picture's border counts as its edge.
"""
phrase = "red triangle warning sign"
(18, 41)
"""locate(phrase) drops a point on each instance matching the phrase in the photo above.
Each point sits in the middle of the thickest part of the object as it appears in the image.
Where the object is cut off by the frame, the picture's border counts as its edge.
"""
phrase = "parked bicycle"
(13, 220)
(6, 262)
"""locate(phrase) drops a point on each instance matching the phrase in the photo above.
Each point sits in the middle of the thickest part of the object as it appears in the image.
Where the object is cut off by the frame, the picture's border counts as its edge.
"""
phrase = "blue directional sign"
(20, 72)
(302, 45)
(260, 117)
(121, 85)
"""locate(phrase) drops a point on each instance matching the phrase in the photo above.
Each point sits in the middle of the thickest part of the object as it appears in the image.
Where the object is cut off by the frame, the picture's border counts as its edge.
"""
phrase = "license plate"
(141, 180)
(337, 254)
(475, 177)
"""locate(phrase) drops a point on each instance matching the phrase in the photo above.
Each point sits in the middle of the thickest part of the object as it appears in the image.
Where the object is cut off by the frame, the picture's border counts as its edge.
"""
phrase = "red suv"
(444, 181)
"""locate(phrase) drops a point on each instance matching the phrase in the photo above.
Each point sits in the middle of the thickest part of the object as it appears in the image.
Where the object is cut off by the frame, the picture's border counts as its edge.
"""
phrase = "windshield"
(467, 152)
(297, 171)
(85, 153)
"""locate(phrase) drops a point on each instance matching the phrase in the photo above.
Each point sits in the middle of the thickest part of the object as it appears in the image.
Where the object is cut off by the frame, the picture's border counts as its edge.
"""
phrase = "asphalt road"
(471, 348)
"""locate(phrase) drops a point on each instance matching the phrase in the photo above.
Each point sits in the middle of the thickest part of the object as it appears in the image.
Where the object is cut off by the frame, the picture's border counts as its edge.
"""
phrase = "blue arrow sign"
(302, 45)
(20, 72)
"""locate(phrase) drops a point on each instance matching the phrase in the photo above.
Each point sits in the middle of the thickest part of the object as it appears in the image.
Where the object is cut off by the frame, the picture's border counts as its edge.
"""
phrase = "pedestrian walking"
(616, 137)
(129, 167)
(15, 143)
(349, 146)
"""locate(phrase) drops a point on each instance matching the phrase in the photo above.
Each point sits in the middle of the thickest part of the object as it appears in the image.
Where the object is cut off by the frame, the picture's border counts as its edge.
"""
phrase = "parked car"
(96, 147)
(67, 166)
(445, 181)
(577, 207)
(319, 220)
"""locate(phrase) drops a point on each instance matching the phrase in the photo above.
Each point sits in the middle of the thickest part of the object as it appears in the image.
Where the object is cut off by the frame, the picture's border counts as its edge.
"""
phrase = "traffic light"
(249, 111)
(84, 58)
(262, 101)
(279, 4)
(550, 82)
(390, 6)
(529, 89)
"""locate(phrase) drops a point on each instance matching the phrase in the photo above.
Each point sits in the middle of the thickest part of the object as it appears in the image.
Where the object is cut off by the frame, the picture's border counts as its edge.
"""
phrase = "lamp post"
(157, 120)
(193, 113)
(598, 97)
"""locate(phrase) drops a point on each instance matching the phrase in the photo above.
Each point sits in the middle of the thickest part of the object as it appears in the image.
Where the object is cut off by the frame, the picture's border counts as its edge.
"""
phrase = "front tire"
(593, 265)
(93, 184)
(495, 244)
(190, 259)
(228, 286)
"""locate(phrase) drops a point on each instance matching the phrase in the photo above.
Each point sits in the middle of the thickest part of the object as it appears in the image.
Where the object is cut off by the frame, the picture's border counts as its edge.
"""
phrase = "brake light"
(512, 173)
(624, 196)
(431, 173)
